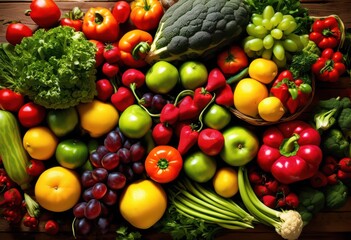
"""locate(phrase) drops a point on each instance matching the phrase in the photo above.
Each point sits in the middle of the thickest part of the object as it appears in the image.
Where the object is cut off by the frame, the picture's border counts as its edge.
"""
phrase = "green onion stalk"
(288, 224)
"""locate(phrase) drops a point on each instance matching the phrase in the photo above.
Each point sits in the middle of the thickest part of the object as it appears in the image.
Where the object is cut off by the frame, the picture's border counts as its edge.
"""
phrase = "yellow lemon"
(248, 93)
(225, 182)
(40, 142)
(97, 117)
(263, 70)
(271, 109)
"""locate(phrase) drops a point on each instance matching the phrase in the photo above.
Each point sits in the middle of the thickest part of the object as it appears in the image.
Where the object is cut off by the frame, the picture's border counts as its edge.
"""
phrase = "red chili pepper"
(45, 13)
(215, 80)
(110, 69)
(201, 97)
(73, 19)
(16, 31)
(187, 139)
(210, 141)
(162, 133)
(326, 32)
(329, 66)
(35, 167)
(345, 164)
(225, 96)
(104, 89)
(187, 109)
(122, 98)
(299, 152)
(112, 53)
(133, 76)
(51, 227)
(169, 114)
(10, 100)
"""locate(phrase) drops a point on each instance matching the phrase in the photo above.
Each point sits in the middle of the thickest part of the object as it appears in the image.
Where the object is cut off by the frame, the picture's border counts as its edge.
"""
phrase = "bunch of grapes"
(118, 161)
(153, 102)
(271, 36)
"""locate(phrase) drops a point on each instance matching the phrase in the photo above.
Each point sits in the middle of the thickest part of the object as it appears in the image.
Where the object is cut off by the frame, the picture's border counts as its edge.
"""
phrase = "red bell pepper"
(290, 151)
(201, 97)
(187, 139)
(326, 33)
(225, 96)
(329, 66)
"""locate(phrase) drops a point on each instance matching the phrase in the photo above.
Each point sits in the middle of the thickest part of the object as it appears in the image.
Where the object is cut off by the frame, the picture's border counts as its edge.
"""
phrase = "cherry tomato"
(163, 163)
(15, 32)
(31, 114)
(10, 100)
(112, 53)
(121, 11)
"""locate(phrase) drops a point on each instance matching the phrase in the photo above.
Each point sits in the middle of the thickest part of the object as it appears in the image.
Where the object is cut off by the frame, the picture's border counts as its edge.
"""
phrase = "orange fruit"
(40, 142)
(57, 189)
(248, 93)
(263, 70)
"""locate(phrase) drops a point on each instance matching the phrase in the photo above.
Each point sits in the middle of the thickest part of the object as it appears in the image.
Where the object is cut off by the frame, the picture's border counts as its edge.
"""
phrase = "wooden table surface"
(327, 225)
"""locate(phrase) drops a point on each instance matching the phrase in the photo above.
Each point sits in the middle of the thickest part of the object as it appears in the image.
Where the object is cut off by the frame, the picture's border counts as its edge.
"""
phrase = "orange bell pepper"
(133, 46)
(146, 14)
(99, 24)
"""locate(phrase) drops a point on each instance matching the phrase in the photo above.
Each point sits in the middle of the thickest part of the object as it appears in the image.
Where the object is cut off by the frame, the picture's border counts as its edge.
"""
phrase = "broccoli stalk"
(324, 120)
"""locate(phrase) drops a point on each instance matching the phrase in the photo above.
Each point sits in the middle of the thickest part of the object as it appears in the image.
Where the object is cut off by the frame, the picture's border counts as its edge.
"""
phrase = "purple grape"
(158, 101)
(92, 209)
(113, 141)
(110, 197)
(78, 209)
(138, 168)
(147, 99)
(83, 226)
(128, 143)
(103, 225)
(101, 150)
(99, 190)
(124, 155)
(129, 173)
(95, 159)
(100, 174)
(116, 180)
(110, 161)
(137, 151)
(88, 194)
(87, 179)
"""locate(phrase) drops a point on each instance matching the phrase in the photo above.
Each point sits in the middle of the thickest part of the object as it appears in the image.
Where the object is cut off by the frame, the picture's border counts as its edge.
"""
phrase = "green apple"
(240, 146)
(217, 116)
(62, 121)
(162, 77)
(193, 74)
(200, 167)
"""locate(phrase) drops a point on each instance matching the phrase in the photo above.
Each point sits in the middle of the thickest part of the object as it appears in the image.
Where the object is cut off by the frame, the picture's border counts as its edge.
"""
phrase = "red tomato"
(112, 53)
(15, 32)
(163, 163)
(31, 114)
(121, 11)
(99, 55)
(45, 13)
(10, 100)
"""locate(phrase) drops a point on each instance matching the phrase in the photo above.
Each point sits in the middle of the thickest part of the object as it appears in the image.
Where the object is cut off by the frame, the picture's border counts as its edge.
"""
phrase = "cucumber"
(14, 157)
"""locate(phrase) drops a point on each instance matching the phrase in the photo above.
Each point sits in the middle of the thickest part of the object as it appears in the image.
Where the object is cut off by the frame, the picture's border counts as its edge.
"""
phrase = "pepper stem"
(142, 47)
(289, 146)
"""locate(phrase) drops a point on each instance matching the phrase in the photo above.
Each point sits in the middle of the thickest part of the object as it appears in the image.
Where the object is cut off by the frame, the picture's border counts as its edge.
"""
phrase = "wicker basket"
(285, 118)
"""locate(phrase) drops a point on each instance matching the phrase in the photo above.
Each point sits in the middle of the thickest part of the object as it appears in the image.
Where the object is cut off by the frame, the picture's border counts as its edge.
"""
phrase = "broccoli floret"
(335, 195)
(334, 143)
(344, 121)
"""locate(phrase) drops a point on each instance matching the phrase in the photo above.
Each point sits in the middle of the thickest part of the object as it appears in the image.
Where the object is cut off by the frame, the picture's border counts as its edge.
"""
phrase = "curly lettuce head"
(56, 68)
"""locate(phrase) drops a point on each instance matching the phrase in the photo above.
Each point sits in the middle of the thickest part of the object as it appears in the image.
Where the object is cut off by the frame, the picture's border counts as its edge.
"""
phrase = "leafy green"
(182, 227)
(54, 68)
(291, 7)
(123, 233)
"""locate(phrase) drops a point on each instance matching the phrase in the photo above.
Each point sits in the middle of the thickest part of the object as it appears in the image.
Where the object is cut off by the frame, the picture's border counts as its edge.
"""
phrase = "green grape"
(250, 29)
(296, 39)
(279, 51)
(284, 24)
(292, 28)
(255, 44)
(277, 33)
(256, 19)
(304, 39)
(290, 45)
(268, 41)
(267, 53)
(260, 31)
(245, 43)
(276, 19)
(288, 17)
(268, 12)
(267, 24)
